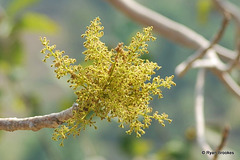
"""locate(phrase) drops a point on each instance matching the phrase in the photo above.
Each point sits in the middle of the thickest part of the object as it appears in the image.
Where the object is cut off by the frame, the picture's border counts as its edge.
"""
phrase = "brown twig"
(221, 71)
(36, 123)
(223, 141)
(233, 11)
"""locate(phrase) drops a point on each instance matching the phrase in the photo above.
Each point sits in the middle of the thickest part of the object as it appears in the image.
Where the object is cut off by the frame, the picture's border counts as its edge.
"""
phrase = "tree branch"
(36, 123)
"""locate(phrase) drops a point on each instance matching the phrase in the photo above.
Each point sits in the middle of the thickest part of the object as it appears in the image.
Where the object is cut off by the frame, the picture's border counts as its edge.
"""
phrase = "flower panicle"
(117, 84)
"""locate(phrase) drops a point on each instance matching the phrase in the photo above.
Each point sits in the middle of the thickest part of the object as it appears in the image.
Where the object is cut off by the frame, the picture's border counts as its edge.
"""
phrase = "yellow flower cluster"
(118, 84)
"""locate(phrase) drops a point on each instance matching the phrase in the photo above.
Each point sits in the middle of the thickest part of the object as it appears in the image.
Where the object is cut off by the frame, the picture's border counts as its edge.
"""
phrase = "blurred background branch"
(199, 112)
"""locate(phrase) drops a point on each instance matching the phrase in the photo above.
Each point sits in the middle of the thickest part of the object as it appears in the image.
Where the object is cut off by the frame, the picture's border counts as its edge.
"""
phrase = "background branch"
(186, 65)
(235, 62)
(199, 112)
(171, 30)
(228, 81)
(225, 6)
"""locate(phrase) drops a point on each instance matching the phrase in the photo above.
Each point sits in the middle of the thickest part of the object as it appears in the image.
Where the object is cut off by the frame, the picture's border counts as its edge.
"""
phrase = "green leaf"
(18, 5)
(38, 23)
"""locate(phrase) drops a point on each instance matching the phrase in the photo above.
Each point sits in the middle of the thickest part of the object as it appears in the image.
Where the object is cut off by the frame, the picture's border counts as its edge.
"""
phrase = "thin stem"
(113, 65)
(223, 141)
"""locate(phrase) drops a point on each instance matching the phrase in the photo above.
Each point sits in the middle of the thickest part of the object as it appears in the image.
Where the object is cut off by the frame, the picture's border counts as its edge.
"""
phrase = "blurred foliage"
(14, 20)
(17, 6)
(203, 8)
(135, 147)
(175, 150)
(38, 23)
